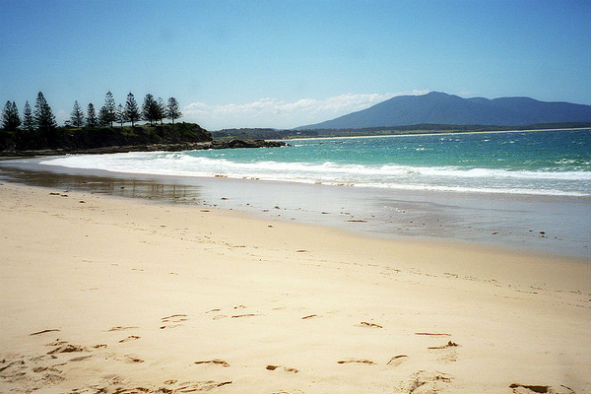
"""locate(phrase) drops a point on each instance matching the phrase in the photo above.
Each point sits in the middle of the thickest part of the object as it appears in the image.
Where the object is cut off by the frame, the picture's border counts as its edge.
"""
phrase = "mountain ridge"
(443, 108)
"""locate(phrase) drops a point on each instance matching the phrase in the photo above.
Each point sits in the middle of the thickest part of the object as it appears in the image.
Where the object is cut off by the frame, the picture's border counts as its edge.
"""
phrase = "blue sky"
(288, 63)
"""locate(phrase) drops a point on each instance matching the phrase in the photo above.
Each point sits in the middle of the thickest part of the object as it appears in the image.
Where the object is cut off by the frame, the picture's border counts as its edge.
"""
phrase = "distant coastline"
(423, 128)
(435, 133)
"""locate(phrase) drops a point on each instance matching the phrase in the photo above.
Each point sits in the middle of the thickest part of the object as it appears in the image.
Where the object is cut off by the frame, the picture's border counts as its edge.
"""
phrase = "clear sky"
(288, 63)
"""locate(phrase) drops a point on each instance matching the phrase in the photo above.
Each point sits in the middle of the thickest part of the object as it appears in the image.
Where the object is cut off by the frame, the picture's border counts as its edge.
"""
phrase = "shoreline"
(557, 225)
(127, 294)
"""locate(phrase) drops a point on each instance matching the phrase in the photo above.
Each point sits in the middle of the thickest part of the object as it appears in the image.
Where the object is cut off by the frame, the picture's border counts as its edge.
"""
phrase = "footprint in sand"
(518, 388)
(174, 318)
(309, 317)
(81, 358)
(26, 374)
(448, 352)
(244, 315)
(433, 334)
(397, 360)
(353, 361)
(68, 349)
(119, 385)
(57, 342)
(133, 359)
(129, 338)
(236, 307)
(214, 361)
(426, 382)
(178, 318)
(271, 367)
(44, 331)
(367, 324)
(121, 328)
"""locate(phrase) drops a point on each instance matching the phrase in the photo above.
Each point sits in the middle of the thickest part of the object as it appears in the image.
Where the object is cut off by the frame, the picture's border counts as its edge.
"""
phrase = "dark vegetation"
(39, 134)
(72, 140)
(264, 134)
(43, 119)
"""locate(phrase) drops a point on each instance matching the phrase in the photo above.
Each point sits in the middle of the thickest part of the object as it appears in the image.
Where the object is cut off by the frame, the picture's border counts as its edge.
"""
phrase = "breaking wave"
(445, 178)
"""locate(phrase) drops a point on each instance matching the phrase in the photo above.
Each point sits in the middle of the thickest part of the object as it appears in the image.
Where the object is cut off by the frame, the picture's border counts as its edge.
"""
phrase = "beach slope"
(100, 294)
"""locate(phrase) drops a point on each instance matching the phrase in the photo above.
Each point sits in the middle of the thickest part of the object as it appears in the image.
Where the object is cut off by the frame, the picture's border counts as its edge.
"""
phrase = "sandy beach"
(113, 295)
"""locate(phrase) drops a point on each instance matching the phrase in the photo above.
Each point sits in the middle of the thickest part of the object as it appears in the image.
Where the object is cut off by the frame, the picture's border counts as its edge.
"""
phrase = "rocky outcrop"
(246, 144)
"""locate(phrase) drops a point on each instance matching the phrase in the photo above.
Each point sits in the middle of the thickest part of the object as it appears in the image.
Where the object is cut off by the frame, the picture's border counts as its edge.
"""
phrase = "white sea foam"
(449, 178)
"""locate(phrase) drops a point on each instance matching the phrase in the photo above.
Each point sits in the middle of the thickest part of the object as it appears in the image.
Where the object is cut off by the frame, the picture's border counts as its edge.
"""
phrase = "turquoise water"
(542, 162)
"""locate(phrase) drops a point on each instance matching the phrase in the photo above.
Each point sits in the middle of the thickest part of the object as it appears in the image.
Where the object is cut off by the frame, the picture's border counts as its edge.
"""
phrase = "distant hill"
(442, 108)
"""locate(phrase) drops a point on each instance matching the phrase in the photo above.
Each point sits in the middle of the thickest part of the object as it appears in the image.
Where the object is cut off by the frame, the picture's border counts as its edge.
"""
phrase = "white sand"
(109, 273)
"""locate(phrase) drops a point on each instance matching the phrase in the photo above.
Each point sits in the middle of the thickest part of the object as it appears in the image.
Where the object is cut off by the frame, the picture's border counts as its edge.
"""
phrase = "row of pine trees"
(42, 117)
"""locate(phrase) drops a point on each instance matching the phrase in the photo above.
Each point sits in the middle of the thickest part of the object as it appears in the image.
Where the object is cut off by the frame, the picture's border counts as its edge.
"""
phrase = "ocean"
(554, 163)
(523, 190)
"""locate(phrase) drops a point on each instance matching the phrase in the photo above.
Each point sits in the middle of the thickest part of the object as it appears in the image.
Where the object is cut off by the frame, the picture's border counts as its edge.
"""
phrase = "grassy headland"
(163, 137)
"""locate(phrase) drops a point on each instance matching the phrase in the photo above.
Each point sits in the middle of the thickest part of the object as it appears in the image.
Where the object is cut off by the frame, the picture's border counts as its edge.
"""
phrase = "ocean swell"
(445, 178)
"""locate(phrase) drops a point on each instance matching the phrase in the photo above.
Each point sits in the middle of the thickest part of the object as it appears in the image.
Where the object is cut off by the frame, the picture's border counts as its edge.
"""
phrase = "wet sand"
(103, 294)
(557, 225)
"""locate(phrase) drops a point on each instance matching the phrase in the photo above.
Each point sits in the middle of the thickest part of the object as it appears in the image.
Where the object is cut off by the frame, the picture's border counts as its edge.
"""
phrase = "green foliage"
(104, 118)
(10, 117)
(44, 119)
(151, 111)
(28, 121)
(77, 117)
(91, 119)
(172, 110)
(121, 115)
(132, 112)
(79, 139)
(161, 110)
(109, 112)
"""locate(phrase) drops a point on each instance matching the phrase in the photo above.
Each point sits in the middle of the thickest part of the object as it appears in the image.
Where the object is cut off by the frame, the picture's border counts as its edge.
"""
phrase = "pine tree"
(150, 109)
(110, 109)
(161, 110)
(132, 112)
(91, 120)
(10, 117)
(77, 117)
(120, 115)
(28, 121)
(6, 116)
(172, 110)
(16, 119)
(105, 117)
(44, 119)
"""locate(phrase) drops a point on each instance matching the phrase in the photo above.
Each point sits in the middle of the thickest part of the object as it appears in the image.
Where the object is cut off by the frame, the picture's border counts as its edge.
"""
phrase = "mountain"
(442, 108)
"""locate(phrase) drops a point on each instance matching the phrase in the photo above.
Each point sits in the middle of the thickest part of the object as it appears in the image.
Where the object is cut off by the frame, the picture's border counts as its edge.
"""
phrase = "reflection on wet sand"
(122, 187)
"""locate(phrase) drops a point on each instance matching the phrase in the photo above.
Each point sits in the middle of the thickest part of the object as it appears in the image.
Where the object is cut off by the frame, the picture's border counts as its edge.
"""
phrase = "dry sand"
(100, 294)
